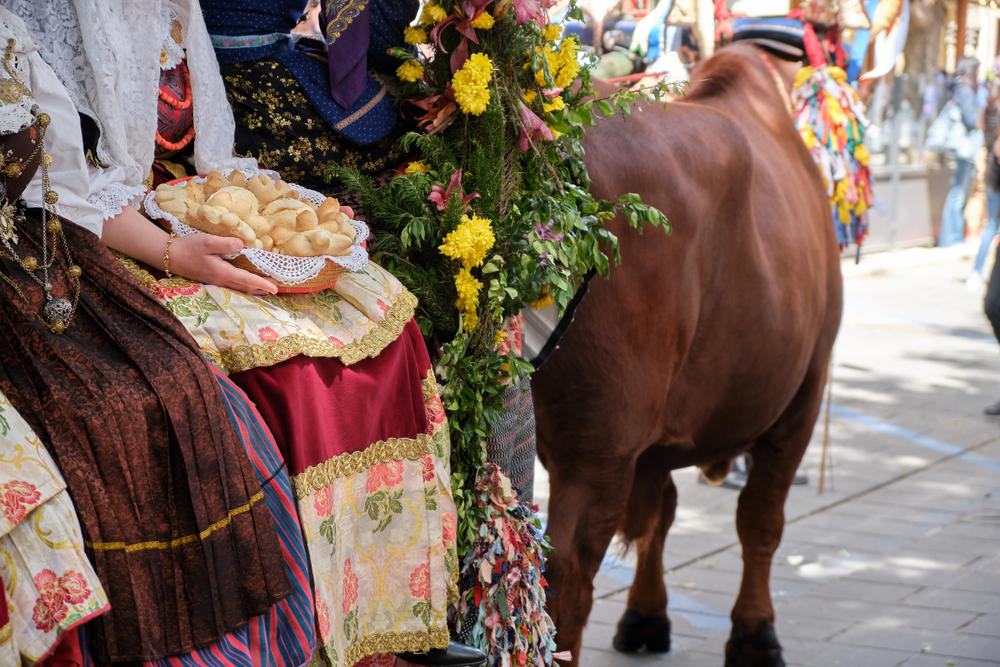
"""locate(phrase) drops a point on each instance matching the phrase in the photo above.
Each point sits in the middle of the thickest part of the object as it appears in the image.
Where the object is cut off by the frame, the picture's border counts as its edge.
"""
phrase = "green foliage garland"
(501, 151)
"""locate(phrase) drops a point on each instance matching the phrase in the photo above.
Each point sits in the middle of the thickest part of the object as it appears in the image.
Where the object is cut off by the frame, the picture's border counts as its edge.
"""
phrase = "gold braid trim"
(6, 632)
(389, 642)
(179, 541)
(324, 474)
(244, 357)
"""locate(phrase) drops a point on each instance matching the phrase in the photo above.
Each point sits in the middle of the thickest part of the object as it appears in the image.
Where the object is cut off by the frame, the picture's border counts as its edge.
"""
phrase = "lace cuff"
(112, 199)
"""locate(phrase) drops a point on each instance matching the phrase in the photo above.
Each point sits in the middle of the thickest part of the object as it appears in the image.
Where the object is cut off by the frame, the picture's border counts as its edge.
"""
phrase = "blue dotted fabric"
(260, 17)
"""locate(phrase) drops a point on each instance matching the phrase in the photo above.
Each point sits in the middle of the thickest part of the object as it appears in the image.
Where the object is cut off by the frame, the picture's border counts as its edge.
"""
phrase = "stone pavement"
(897, 562)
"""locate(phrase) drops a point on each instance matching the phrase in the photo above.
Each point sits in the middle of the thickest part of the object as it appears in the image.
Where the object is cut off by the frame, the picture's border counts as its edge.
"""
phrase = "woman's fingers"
(221, 245)
(244, 281)
(347, 210)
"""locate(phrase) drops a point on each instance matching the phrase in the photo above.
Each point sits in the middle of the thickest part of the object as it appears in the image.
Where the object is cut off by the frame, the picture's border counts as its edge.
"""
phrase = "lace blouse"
(108, 55)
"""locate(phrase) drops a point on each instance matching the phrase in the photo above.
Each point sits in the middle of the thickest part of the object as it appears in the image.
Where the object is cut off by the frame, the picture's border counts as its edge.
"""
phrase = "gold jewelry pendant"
(8, 231)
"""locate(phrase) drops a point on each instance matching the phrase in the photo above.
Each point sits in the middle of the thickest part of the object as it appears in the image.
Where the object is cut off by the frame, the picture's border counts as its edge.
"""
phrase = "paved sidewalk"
(897, 562)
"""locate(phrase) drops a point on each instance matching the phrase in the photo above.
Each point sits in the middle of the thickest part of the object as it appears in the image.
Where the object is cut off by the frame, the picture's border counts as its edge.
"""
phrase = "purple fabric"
(346, 30)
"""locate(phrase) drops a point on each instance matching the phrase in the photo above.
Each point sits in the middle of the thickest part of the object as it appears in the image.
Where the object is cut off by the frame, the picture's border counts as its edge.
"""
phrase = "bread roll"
(292, 213)
(236, 200)
(214, 182)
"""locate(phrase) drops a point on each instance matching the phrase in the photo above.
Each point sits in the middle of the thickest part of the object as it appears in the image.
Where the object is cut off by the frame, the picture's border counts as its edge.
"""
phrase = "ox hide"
(709, 342)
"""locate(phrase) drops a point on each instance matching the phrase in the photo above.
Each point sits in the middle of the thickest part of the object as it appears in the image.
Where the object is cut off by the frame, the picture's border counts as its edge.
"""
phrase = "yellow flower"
(544, 299)
(802, 76)
(482, 22)
(471, 82)
(550, 33)
(417, 167)
(555, 104)
(432, 14)
(570, 67)
(411, 70)
(469, 242)
(468, 289)
(529, 96)
(414, 35)
(500, 337)
(555, 133)
(808, 137)
(861, 154)
(561, 63)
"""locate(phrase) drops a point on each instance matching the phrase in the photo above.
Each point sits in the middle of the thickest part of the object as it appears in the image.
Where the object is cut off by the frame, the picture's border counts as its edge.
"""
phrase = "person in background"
(964, 97)
(991, 306)
(991, 130)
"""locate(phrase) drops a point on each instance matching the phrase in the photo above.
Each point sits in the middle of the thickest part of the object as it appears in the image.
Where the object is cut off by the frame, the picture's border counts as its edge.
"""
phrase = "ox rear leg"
(587, 503)
(651, 508)
(760, 520)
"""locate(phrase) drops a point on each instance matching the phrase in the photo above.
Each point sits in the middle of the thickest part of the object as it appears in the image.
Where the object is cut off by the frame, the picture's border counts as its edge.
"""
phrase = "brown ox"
(703, 344)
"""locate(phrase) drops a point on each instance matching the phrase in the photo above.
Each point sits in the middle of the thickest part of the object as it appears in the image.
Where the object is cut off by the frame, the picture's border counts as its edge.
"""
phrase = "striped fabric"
(284, 637)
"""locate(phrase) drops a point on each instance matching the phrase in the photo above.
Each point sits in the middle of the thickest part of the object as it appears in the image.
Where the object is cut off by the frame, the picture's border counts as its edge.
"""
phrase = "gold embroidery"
(6, 632)
(243, 357)
(323, 474)
(179, 541)
(389, 642)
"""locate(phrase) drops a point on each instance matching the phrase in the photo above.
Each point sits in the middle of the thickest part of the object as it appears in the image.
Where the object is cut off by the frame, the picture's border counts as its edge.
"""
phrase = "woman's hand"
(198, 257)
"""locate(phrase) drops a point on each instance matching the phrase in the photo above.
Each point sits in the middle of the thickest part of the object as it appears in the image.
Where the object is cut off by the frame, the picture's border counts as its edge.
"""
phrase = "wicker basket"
(331, 269)
(326, 278)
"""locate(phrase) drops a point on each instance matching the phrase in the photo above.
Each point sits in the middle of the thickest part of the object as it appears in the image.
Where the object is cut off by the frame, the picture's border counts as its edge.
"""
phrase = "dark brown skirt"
(172, 514)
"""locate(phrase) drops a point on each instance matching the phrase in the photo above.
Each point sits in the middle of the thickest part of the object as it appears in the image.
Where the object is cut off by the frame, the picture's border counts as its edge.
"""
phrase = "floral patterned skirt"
(343, 380)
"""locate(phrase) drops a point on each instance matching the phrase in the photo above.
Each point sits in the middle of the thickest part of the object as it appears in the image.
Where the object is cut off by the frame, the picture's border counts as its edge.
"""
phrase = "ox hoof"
(636, 631)
(757, 649)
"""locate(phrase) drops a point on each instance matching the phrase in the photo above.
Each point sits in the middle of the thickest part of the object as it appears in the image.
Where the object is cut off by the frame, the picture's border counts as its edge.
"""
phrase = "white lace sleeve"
(214, 127)
(63, 140)
(110, 195)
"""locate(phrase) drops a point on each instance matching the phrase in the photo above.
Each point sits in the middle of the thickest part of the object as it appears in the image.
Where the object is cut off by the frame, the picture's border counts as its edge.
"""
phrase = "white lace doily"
(286, 269)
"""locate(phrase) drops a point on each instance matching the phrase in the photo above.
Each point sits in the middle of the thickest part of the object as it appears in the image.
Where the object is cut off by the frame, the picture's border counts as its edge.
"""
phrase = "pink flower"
(435, 410)
(161, 292)
(448, 527)
(420, 582)
(57, 594)
(533, 129)
(268, 334)
(532, 10)
(439, 196)
(350, 587)
(74, 586)
(322, 618)
(388, 474)
(323, 501)
(15, 498)
(428, 467)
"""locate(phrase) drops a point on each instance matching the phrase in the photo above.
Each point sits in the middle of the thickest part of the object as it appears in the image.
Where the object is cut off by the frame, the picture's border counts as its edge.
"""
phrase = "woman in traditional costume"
(303, 94)
(183, 513)
(341, 376)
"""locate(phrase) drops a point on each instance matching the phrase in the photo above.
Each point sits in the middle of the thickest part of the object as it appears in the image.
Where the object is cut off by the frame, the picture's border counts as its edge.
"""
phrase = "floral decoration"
(493, 214)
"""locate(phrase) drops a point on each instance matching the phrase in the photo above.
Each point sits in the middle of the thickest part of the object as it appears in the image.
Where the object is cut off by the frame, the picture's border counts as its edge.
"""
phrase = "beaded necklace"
(57, 312)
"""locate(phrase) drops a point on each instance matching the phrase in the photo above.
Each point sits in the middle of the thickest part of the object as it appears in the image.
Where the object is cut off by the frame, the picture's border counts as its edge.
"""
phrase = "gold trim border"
(389, 642)
(323, 474)
(179, 541)
(244, 357)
